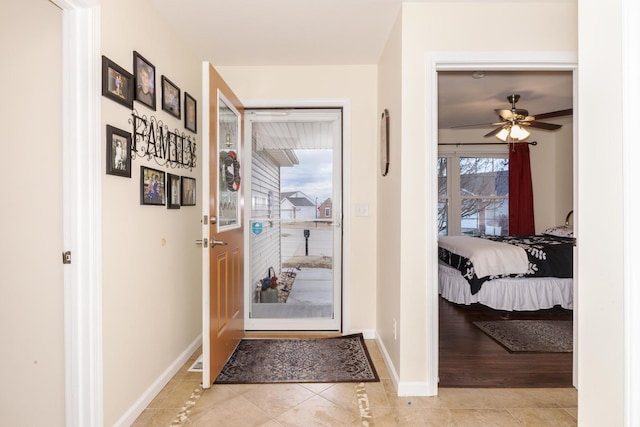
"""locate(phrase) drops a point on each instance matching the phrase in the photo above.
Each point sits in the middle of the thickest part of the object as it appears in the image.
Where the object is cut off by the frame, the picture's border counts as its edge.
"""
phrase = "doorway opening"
(564, 66)
(293, 264)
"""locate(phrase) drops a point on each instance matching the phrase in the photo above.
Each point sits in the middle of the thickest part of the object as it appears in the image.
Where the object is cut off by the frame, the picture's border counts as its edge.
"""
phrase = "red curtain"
(520, 191)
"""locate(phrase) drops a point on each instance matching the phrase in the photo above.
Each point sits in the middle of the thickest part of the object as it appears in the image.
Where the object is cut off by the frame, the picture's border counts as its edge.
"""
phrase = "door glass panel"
(228, 165)
(295, 217)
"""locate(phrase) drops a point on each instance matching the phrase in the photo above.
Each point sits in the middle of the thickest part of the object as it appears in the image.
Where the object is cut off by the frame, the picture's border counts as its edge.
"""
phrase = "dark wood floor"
(469, 358)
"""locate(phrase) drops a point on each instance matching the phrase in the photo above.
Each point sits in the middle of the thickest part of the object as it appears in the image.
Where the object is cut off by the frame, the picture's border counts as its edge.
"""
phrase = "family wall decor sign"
(150, 137)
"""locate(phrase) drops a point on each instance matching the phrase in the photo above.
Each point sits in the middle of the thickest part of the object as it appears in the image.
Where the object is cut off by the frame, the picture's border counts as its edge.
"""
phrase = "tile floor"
(183, 403)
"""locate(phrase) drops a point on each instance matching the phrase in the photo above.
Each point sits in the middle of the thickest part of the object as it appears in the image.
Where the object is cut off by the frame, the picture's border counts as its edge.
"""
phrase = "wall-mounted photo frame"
(170, 97)
(188, 191)
(145, 81)
(152, 186)
(190, 113)
(173, 191)
(117, 83)
(384, 143)
(118, 152)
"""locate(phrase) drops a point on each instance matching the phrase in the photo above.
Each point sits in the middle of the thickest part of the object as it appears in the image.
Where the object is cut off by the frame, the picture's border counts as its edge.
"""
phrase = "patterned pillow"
(560, 231)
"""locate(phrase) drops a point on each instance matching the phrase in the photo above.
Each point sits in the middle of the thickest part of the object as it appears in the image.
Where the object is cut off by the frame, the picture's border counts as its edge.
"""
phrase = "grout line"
(187, 407)
(363, 404)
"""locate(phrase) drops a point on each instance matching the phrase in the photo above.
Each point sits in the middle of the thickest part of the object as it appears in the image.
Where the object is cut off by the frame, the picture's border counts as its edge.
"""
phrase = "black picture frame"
(117, 83)
(118, 152)
(144, 73)
(173, 191)
(170, 97)
(190, 113)
(188, 191)
(152, 186)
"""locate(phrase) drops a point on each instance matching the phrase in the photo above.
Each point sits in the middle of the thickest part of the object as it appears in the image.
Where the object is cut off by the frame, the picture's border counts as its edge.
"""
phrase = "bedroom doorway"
(554, 187)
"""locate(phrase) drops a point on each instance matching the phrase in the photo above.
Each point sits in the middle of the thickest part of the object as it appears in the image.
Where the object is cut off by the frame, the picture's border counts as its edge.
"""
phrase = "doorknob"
(215, 242)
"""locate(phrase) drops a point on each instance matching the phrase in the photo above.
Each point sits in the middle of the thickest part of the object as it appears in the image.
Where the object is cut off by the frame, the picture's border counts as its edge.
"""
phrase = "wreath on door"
(231, 169)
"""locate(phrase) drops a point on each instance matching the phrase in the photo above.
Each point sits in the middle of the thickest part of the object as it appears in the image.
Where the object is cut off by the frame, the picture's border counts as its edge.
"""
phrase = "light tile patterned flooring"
(183, 403)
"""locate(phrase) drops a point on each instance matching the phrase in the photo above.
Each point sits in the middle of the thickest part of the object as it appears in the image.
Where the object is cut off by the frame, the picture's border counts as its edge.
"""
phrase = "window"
(473, 194)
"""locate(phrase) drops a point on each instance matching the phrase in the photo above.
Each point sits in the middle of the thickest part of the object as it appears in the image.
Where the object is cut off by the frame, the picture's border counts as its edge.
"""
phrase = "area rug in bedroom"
(540, 336)
(325, 360)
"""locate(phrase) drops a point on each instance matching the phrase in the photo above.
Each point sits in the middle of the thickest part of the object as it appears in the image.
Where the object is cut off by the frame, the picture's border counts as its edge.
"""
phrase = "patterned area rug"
(322, 360)
(540, 336)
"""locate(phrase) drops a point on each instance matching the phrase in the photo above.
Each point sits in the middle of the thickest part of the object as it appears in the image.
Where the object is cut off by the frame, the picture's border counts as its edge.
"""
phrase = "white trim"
(631, 235)
(82, 212)
(345, 104)
(150, 393)
(206, 309)
(461, 61)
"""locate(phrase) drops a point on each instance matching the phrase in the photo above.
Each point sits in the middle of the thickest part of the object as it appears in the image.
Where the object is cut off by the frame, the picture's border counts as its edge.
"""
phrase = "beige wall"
(358, 85)
(389, 224)
(600, 215)
(31, 306)
(428, 29)
(151, 265)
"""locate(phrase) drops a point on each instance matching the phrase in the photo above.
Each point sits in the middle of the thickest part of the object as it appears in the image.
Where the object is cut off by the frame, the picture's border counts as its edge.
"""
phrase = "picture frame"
(188, 191)
(170, 97)
(152, 186)
(173, 191)
(117, 83)
(144, 73)
(384, 143)
(118, 152)
(190, 113)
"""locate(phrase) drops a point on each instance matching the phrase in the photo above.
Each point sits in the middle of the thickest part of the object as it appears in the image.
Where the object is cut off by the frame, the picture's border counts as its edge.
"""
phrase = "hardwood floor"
(469, 358)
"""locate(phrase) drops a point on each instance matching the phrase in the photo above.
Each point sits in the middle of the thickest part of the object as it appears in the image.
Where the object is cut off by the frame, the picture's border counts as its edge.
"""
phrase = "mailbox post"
(306, 242)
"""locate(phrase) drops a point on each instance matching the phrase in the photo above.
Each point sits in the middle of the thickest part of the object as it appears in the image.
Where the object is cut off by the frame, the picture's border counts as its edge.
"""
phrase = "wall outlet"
(395, 329)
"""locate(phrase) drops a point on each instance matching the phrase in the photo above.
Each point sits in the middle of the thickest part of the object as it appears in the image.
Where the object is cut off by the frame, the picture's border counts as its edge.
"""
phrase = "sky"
(312, 176)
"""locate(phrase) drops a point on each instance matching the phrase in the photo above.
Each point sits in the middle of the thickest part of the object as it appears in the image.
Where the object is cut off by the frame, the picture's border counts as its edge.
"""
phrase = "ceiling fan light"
(503, 134)
(519, 133)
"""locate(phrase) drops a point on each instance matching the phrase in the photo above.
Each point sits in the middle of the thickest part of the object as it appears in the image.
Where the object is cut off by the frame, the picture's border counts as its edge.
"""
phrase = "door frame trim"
(466, 61)
(345, 105)
(82, 211)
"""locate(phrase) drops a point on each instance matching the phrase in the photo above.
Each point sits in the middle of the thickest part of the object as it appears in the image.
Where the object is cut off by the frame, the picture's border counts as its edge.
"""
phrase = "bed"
(511, 273)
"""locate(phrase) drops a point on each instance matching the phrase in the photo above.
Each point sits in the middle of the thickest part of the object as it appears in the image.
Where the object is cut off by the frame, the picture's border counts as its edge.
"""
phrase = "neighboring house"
(325, 210)
(297, 205)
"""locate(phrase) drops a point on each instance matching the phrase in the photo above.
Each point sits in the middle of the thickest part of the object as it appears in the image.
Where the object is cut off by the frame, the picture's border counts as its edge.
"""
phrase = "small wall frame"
(118, 152)
(173, 191)
(152, 186)
(117, 83)
(170, 97)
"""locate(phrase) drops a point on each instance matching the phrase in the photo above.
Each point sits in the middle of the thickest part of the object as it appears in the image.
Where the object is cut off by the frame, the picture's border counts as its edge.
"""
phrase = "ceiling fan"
(514, 122)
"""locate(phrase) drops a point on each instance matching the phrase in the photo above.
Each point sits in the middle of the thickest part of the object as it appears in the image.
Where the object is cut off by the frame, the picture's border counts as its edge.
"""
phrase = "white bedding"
(489, 258)
(511, 294)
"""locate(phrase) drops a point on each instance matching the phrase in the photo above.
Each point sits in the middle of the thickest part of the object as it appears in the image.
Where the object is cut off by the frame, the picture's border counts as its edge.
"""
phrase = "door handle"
(215, 242)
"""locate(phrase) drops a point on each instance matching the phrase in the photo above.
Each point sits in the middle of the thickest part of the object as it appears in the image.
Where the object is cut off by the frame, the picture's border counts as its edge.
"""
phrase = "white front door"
(294, 220)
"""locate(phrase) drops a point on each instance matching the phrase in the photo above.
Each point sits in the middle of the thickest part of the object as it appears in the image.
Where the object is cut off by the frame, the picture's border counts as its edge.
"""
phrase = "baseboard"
(143, 401)
(404, 388)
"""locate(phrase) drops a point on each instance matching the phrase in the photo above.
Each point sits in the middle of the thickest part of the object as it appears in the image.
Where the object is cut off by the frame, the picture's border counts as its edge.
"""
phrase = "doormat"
(321, 360)
(536, 336)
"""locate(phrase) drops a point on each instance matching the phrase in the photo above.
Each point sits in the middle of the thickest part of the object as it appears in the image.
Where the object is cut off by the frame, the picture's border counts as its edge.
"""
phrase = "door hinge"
(66, 257)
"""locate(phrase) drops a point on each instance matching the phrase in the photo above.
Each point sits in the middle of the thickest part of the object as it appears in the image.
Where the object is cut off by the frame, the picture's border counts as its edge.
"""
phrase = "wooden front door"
(223, 294)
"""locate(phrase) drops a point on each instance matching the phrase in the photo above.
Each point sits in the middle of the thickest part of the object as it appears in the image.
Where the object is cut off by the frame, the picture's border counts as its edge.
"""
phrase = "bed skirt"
(508, 294)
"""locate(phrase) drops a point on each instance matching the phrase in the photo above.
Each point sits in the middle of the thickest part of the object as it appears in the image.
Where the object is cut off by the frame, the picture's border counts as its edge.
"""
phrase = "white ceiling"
(346, 32)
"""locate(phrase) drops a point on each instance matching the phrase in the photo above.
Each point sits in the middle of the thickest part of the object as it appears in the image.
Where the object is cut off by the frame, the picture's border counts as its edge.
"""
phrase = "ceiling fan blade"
(476, 125)
(494, 132)
(559, 113)
(543, 125)
(505, 114)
